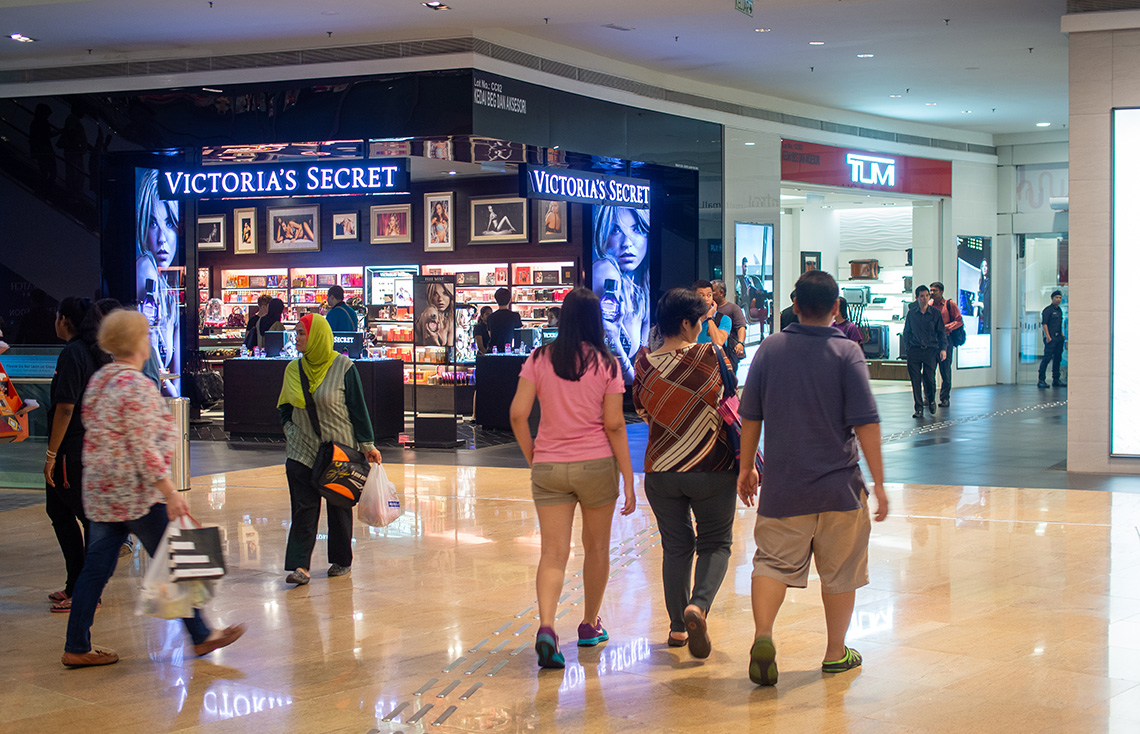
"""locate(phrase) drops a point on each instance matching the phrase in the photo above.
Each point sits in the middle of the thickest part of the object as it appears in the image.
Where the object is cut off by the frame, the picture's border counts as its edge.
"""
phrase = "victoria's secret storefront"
(477, 194)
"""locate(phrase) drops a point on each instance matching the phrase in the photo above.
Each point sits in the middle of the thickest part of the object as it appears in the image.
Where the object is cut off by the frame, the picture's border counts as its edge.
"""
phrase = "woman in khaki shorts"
(580, 450)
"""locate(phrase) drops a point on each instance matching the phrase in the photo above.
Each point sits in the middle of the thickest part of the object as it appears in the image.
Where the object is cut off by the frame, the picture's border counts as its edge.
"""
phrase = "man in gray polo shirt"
(810, 388)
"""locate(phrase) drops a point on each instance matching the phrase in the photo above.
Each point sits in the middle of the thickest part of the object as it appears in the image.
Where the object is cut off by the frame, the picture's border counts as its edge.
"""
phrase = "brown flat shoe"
(699, 643)
(88, 659)
(228, 636)
(678, 642)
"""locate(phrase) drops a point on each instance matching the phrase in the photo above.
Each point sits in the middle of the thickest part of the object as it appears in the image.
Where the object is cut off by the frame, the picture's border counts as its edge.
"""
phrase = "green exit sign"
(744, 6)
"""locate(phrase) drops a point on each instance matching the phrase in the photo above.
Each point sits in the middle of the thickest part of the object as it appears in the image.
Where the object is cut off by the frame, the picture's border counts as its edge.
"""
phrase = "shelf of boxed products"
(540, 285)
(388, 295)
(309, 287)
(440, 375)
(244, 287)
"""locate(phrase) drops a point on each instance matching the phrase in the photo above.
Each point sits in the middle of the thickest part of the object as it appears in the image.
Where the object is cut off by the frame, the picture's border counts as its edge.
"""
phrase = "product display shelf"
(244, 287)
(308, 287)
(388, 295)
(891, 288)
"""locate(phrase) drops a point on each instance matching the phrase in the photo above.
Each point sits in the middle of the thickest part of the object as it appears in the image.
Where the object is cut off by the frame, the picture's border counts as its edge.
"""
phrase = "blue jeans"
(104, 541)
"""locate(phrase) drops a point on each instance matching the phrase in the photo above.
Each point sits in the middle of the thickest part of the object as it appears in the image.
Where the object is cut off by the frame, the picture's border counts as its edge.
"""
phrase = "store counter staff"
(502, 323)
(340, 316)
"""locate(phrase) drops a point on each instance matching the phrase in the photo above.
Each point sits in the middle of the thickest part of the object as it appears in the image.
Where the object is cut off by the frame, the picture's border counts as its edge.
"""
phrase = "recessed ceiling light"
(967, 112)
(931, 104)
(750, 143)
(815, 43)
(436, 5)
(763, 30)
(864, 56)
(212, 90)
(1044, 124)
(21, 38)
(973, 68)
(616, 27)
(451, 173)
(895, 96)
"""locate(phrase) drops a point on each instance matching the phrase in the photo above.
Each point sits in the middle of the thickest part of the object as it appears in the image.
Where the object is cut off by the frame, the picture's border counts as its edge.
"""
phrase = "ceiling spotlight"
(967, 112)
(864, 56)
(1044, 124)
(21, 38)
(931, 104)
(212, 90)
(436, 5)
(895, 96)
(815, 43)
(451, 173)
(763, 30)
(750, 143)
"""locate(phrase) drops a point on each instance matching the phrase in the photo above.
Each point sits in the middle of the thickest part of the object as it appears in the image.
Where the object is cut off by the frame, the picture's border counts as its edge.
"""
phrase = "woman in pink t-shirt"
(580, 451)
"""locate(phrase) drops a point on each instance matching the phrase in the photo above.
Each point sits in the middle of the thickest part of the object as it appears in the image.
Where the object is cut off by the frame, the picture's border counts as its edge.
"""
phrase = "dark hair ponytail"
(581, 344)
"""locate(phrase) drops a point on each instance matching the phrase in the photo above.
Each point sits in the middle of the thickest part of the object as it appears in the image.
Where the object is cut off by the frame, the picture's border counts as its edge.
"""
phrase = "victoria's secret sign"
(389, 176)
(824, 164)
(536, 182)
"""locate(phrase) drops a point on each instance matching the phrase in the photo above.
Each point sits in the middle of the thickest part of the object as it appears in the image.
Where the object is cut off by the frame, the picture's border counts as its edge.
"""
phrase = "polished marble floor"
(989, 610)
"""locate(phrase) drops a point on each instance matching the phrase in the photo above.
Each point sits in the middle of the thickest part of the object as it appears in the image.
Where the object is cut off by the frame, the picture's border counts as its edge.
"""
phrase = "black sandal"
(299, 576)
(677, 642)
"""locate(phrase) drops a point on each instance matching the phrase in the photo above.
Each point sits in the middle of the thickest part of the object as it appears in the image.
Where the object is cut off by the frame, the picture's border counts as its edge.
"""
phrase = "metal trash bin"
(180, 465)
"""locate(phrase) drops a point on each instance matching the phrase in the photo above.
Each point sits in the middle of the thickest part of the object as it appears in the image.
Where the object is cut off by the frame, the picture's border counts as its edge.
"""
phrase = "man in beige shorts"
(809, 385)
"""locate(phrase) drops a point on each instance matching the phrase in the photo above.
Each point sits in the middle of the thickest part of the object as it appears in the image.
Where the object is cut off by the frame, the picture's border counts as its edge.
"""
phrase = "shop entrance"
(878, 247)
(1042, 267)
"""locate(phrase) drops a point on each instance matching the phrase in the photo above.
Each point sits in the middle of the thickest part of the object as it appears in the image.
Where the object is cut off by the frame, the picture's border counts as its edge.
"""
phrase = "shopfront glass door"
(1042, 267)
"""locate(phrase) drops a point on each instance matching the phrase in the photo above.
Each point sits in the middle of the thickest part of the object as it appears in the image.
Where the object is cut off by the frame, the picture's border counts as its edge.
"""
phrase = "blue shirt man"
(716, 327)
(340, 316)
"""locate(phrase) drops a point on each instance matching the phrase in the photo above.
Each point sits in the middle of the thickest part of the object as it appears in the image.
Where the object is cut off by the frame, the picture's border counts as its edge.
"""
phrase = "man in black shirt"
(502, 323)
(924, 335)
(1052, 329)
(788, 315)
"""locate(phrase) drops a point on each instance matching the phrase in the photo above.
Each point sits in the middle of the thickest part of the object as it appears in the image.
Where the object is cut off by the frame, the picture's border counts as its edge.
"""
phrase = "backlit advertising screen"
(1125, 390)
(160, 273)
(975, 301)
(620, 255)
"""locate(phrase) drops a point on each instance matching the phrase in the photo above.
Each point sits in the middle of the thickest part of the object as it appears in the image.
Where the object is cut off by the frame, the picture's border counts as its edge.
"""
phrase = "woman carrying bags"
(580, 451)
(126, 488)
(690, 466)
(333, 384)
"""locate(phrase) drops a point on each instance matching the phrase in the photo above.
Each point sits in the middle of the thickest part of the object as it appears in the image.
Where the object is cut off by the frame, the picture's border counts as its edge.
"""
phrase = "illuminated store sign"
(318, 179)
(868, 169)
(828, 165)
(561, 184)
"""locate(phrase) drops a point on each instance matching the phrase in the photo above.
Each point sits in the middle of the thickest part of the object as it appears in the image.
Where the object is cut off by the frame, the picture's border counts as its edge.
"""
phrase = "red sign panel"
(860, 169)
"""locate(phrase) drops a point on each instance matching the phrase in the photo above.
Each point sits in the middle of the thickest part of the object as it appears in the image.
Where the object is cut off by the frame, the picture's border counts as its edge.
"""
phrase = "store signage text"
(868, 169)
(489, 93)
(341, 177)
(561, 184)
(827, 165)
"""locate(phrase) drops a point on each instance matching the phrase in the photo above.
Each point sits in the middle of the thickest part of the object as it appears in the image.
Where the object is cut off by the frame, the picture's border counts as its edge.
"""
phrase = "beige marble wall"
(1104, 72)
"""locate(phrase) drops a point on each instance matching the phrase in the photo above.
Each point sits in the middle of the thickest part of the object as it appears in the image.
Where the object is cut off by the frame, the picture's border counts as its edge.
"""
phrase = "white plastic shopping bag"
(379, 505)
(163, 596)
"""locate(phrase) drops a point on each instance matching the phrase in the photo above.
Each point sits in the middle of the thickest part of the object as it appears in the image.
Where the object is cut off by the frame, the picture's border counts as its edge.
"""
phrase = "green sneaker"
(762, 665)
(851, 659)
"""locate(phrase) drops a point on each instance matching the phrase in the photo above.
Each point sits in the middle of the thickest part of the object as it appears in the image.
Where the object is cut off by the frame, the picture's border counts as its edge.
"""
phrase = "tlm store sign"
(873, 170)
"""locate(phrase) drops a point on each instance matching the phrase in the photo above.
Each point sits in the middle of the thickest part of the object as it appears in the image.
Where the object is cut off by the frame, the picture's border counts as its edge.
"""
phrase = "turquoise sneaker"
(590, 635)
(546, 645)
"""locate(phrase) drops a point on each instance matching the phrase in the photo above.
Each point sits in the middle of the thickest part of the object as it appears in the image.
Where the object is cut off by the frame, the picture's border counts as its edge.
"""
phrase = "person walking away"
(689, 465)
(844, 324)
(340, 315)
(127, 489)
(503, 322)
(1053, 332)
(952, 320)
(924, 335)
(580, 451)
(809, 389)
(734, 347)
(63, 465)
(338, 395)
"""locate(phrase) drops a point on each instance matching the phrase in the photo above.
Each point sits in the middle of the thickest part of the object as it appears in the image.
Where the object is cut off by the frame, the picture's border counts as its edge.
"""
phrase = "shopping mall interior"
(417, 158)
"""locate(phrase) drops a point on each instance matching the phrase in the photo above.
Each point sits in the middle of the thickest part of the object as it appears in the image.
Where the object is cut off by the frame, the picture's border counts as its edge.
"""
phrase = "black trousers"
(921, 364)
(1053, 351)
(945, 370)
(677, 498)
(306, 504)
(65, 509)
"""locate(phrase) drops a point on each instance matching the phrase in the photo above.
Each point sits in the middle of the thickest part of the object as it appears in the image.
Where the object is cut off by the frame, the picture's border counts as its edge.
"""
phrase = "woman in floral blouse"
(126, 484)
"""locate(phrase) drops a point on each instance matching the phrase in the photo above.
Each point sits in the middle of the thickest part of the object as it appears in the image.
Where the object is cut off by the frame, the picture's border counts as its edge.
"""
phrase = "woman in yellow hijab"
(338, 396)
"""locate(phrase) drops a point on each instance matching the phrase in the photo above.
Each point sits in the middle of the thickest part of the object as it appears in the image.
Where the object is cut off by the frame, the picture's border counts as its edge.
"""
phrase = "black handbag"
(958, 336)
(340, 471)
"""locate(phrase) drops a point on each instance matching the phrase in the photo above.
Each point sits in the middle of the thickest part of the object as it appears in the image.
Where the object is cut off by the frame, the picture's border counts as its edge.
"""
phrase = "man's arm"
(1045, 326)
(718, 333)
(748, 482)
(870, 441)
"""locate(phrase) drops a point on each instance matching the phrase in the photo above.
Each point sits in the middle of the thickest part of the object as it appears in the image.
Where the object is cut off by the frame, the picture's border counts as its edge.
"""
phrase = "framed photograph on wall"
(391, 223)
(212, 232)
(810, 261)
(245, 231)
(346, 226)
(294, 229)
(439, 222)
(551, 221)
(499, 220)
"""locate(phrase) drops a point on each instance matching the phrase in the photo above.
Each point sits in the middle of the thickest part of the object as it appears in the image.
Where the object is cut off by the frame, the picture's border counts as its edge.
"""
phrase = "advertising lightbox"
(1125, 392)
(975, 301)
